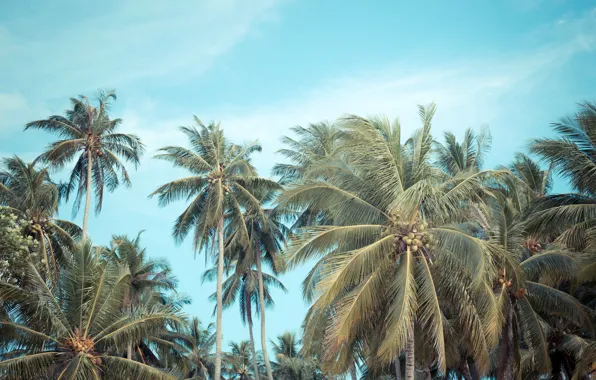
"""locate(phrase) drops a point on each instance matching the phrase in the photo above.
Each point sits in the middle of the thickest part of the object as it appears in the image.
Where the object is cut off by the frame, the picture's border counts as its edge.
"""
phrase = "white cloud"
(134, 40)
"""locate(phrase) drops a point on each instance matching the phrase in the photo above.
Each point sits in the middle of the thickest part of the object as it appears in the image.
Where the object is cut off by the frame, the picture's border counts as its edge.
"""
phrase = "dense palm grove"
(425, 264)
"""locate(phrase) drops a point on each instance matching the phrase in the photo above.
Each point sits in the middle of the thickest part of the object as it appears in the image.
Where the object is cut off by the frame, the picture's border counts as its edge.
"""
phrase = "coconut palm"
(147, 276)
(378, 262)
(315, 142)
(239, 361)
(529, 297)
(221, 184)
(266, 234)
(291, 365)
(88, 134)
(570, 156)
(242, 286)
(189, 350)
(468, 156)
(31, 194)
(77, 328)
(15, 246)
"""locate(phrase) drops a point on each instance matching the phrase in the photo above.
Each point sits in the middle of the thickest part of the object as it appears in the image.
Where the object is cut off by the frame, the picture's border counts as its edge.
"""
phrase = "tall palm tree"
(221, 184)
(242, 286)
(266, 234)
(147, 276)
(31, 194)
(76, 329)
(88, 134)
(395, 222)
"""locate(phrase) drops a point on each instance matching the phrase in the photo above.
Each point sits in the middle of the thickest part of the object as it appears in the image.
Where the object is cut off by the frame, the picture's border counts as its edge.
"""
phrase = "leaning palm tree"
(220, 186)
(76, 329)
(88, 134)
(396, 221)
(242, 286)
(147, 276)
(31, 195)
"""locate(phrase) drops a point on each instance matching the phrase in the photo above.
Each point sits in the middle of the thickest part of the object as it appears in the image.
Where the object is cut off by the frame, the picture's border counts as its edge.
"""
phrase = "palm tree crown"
(88, 135)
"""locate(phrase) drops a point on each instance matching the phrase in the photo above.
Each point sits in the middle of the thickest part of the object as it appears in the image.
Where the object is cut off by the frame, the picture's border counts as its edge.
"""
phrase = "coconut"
(408, 241)
(414, 248)
(501, 281)
(411, 236)
(421, 228)
(416, 242)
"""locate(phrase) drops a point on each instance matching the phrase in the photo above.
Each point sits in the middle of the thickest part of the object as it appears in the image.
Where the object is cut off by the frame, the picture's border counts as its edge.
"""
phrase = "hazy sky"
(263, 66)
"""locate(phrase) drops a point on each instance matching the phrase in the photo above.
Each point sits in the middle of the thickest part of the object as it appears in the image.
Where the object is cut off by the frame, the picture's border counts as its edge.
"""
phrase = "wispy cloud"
(469, 92)
(128, 41)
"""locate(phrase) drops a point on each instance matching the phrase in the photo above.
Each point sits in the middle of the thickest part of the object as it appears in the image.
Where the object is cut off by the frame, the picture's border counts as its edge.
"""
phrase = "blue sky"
(264, 66)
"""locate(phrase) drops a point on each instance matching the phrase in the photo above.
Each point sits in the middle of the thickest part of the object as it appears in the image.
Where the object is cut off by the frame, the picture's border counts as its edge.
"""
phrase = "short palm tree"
(76, 329)
(220, 186)
(88, 134)
(291, 365)
(239, 360)
(396, 221)
(148, 277)
(31, 195)
(242, 286)
(189, 350)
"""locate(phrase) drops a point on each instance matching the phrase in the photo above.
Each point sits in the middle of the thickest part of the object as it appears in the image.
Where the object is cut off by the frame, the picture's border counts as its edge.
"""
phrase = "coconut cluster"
(83, 345)
(213, 178)
(413, 236)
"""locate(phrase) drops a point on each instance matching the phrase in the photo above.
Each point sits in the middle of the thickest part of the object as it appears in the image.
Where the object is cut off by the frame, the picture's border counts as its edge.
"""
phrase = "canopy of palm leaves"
(376, 264)
(31, 195)
(88, 136)
(15, 246)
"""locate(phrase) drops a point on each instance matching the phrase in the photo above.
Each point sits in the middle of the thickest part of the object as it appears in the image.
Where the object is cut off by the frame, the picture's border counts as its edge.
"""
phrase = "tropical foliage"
(423, 262)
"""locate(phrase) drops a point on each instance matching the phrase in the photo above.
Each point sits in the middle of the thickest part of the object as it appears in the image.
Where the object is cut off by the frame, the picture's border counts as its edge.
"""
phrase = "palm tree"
(571, 156)
(395, 222)
(316, 142)
(189, 350)
(291, 365)
(15, 246)
(77, 328)
(221, 184)
(243, 286)
(467, 156)
(147, 277)
(266, 234)
(88, 132)
(239, 359)
(31, 195)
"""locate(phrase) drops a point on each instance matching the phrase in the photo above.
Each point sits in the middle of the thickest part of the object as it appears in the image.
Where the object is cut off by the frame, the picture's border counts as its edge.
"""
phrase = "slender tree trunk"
(506, 360)
(353, 372)
(410, 356)
(220, 267)
(397, 365)
(252, 337)
(263, 332)
(88, 195)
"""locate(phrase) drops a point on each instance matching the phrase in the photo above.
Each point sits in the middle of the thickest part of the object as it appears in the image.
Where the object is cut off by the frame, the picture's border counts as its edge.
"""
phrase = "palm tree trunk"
(88, 195)
(252, 338)
(410, 356)
(129, 351)
(506, 360)
(397, 366)
(220, 265)
(263, 332)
